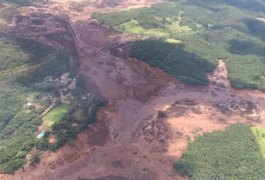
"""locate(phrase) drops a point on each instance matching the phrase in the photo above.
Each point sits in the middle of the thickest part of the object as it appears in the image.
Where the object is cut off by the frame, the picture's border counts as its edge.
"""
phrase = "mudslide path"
(149, 118)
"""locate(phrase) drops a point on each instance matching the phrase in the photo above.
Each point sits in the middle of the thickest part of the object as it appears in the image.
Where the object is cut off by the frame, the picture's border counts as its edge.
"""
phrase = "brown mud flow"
(149, 117)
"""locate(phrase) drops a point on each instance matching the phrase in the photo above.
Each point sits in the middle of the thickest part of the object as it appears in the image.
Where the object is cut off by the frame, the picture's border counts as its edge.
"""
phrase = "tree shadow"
(246, 47)
(187, 67)
(255, 28)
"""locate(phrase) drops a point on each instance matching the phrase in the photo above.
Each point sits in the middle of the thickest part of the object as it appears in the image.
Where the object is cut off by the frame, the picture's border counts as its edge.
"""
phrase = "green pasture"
(259, 133)
(55, 115)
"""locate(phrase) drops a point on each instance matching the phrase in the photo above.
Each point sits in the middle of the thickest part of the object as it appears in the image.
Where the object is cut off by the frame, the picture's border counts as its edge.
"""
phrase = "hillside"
(210, 30)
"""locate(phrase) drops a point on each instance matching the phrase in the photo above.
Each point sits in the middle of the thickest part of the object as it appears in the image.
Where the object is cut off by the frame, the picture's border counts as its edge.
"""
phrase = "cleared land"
(55, 115)
(259, 133)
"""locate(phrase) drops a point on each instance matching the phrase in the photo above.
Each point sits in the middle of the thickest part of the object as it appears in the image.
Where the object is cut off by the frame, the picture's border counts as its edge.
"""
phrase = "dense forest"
(230, 154)
(185, 66)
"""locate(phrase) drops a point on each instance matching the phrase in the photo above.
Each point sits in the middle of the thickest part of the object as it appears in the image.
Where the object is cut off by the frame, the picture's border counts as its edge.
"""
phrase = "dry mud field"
(149, 118)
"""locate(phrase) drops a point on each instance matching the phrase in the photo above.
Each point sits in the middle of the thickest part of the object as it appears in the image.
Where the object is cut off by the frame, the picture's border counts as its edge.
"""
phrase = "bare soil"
(149, 118)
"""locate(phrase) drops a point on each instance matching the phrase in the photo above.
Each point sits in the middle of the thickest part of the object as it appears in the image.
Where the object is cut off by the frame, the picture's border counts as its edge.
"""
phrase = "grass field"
(208, 29)
(55, 115)
(259, 133)
(173, 41)
(229, 154)
(133, 27)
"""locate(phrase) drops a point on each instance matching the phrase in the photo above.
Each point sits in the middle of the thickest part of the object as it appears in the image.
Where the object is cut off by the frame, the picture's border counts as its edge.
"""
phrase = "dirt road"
(149, 118)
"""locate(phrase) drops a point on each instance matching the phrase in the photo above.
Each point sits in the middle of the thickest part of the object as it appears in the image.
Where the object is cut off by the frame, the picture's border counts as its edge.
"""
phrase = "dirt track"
(149, 117)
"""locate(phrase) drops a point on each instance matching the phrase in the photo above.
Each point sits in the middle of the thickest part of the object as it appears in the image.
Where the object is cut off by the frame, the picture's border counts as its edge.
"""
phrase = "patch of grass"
(133, 27)
(162, 20)
(163, 16)
(55, 115)
(259, 133)
(229, 154)
(173, 41)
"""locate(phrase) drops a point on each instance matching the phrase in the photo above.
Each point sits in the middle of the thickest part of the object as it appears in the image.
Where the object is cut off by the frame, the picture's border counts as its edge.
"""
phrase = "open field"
(259, 133)
(54, 116)
(133, 27)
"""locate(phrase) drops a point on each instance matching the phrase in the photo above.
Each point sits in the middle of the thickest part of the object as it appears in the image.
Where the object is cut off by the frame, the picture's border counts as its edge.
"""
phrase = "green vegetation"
(173, 41)
(7, 7)
(254, 5)
(259, 133)
(162, 21)
(185, 66)
(27, 88)
(21, 2)
(55, 115)
(21, 60)
(133, 27)
(145, 16)
(35, 159)
(5, 11)
(229, 154)
(210, 30)
(68, 127)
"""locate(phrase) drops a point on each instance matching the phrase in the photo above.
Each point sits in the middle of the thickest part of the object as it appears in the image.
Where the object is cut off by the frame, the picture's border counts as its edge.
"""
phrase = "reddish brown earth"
(149, 118)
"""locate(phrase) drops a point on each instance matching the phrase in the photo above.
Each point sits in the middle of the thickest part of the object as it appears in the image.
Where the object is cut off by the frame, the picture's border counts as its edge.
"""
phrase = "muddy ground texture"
(149, 118)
